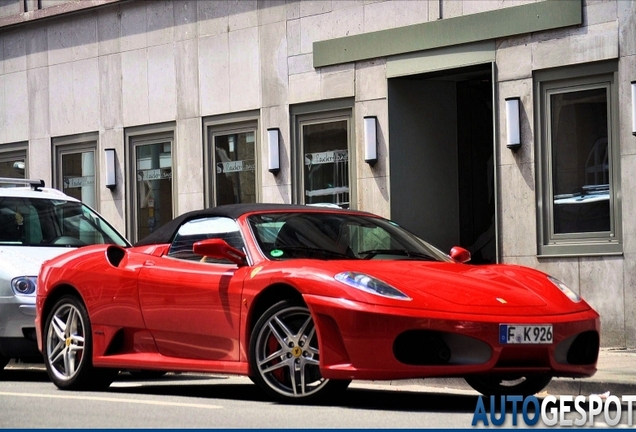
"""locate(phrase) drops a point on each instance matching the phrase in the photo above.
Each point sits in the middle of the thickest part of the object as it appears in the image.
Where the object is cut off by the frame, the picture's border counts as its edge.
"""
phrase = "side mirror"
(218, 248)
(460, 254)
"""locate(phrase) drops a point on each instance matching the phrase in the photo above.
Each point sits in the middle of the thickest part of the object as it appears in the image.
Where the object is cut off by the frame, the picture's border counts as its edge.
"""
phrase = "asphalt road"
(29, 400)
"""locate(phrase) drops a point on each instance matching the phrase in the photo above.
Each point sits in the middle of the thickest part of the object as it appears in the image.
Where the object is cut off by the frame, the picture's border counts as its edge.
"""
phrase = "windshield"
(337, 236)
(53, 222)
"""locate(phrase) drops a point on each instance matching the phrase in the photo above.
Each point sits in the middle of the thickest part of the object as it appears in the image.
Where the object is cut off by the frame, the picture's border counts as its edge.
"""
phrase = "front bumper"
(362, 341)
(17, 327)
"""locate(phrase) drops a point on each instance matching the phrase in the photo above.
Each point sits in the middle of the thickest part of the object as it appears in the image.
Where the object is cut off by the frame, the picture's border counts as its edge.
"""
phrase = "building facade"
(501, 126)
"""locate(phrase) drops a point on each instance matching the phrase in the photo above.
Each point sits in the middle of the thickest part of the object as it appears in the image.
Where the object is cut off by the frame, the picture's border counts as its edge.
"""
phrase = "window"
(151, 182)
(204, 229)
(13, 159)
(231, 163)
(578, 161)
(323, 155)
(75, 167)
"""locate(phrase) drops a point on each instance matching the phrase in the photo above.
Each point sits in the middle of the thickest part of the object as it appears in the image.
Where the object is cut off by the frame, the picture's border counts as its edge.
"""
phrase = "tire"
(285, 358)
(68, 348)
(490, 385)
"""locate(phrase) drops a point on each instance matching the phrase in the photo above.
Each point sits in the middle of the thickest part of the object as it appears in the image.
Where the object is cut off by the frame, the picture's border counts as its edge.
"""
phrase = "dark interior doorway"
(442, 159)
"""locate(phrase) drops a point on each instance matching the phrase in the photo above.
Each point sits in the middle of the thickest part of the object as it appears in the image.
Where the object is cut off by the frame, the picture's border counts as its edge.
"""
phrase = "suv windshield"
(53, 222)
(337, 236)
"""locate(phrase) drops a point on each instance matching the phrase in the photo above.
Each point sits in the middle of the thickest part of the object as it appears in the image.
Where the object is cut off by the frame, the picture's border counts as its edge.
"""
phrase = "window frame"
(591, 76)
(139, 136)
(317, 113)
(76, 144)
(228, 125)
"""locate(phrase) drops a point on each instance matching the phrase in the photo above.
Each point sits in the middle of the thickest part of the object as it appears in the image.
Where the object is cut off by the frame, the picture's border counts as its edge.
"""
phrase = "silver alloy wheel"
(287, 355)
(65, 342)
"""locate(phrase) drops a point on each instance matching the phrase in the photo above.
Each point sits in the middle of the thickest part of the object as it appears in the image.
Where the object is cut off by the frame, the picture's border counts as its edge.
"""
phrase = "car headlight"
(564, 289)
(370, 284)
(24, 285)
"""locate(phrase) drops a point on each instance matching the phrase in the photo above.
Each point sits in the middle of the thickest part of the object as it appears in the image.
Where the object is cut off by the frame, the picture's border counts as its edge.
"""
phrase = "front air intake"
(421, 347)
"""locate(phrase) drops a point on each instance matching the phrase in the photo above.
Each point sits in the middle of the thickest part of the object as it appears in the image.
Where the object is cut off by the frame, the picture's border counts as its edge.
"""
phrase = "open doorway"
(442, 158)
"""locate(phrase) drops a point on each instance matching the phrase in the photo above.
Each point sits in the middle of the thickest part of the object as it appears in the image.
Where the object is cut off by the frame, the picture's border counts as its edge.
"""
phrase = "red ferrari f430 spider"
(303, 300)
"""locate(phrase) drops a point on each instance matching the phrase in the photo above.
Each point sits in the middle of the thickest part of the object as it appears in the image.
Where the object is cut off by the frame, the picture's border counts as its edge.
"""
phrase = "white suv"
(37, 224)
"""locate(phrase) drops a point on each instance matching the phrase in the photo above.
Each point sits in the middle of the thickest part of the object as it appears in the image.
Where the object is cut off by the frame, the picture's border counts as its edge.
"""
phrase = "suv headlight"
(565, 290)
(370, 284)
(24, 285)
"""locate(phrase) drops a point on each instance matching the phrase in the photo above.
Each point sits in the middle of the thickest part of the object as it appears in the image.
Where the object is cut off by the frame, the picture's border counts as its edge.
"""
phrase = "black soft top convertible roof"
(166, 233)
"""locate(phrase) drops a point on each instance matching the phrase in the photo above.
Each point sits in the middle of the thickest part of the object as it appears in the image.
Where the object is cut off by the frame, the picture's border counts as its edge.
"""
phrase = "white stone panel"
(628, 185)
(36, 47)
(347, 21)
(337, 81)
(83, 37)
(15, 121)
(39, 164)
(347, 4)
(110, 90)
(134, 67)
(271, 11)
(243, 15)
(514, 59)
(277, 194)
(626, 74)
(185, 19)
(59, 36)
(601, 12)
(379, 16)
(293, 9)
(371, 80)
(162, 84)
(245, 79)
(575, 49)
(304, 87)
(308, 8)
(160, 22)
(14, 52)
(522, 89)
(273, 59)
(61, 90)
(452, 8)
(134, 26)
(378, 108)
(408, 12)
(293, 37)
(85, 95)
(186, 56)
(214, 78)
(630, 299)
(602, 287)
(627, 27)
(188, 157)
(300, 63)
(314, 28)
(213, 17)
(108, 31)
(276, 117)
(373, 196)
(476, 6)
(517, 215)
(38, 89)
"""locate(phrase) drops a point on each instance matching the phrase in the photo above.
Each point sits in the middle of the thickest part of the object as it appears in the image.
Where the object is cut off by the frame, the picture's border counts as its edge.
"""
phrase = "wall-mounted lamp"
(513, 125)
(273, 138)
(370, 140)
(111, 177)
(633, 107)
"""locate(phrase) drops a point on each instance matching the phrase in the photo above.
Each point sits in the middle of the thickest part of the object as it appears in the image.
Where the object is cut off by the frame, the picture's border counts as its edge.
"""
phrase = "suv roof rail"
(35, 184)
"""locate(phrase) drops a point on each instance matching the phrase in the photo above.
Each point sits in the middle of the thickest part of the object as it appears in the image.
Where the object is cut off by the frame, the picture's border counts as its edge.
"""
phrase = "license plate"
(525, 334)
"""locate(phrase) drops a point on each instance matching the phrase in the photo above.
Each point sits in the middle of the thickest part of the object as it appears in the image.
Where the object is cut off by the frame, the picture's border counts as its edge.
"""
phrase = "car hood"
(26, 260)
(501, 289)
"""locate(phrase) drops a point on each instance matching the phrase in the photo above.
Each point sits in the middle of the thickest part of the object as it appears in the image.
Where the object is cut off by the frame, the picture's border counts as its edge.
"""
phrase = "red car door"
(192, 308)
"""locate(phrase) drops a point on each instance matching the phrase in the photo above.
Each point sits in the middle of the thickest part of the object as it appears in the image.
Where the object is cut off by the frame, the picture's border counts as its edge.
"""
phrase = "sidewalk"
(616, 374)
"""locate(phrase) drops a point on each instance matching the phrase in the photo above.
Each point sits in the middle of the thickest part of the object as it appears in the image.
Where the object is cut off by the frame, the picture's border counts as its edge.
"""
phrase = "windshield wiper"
(403, 252)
